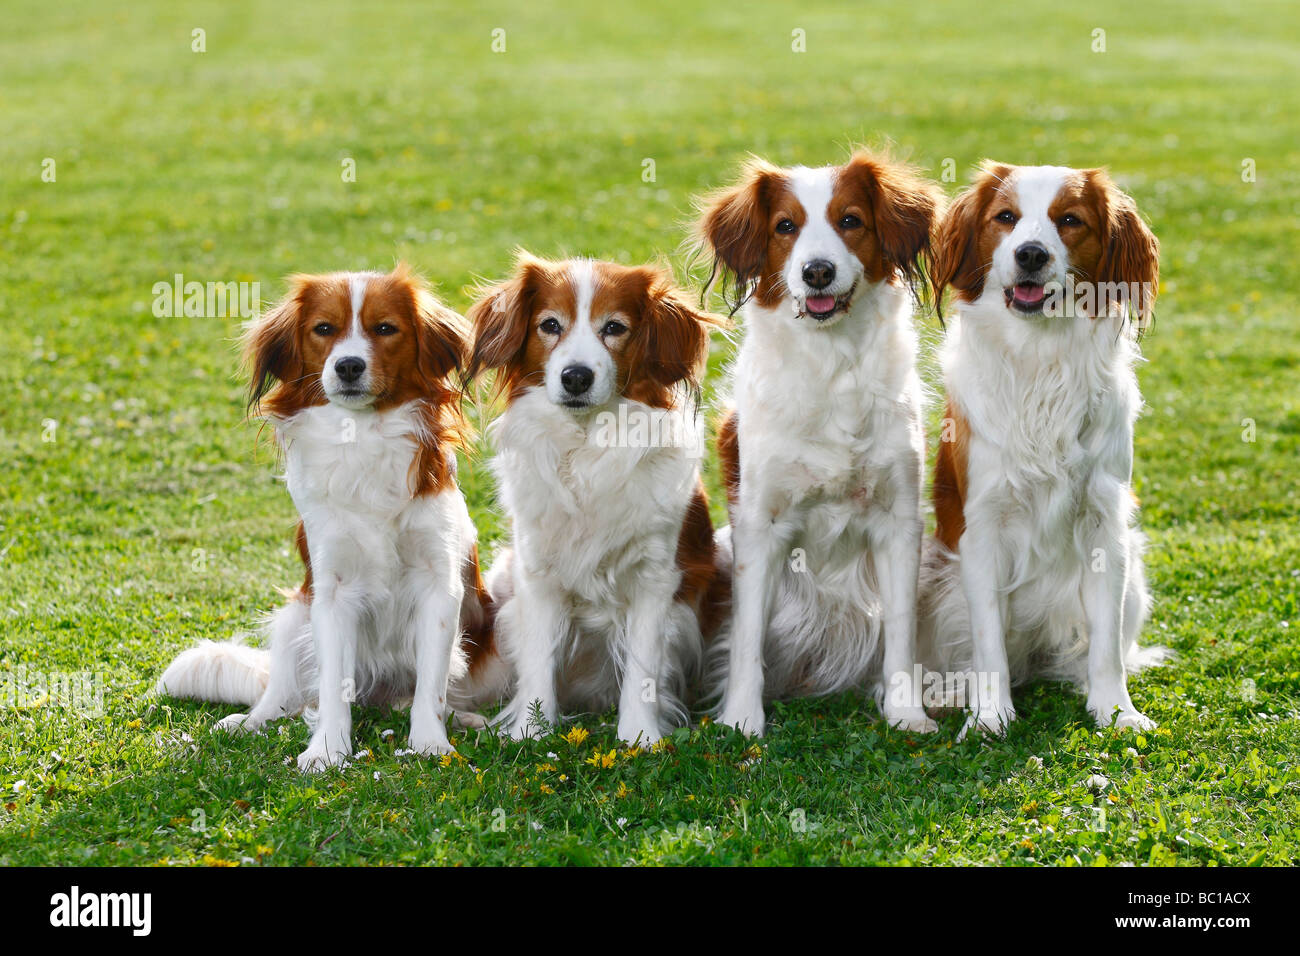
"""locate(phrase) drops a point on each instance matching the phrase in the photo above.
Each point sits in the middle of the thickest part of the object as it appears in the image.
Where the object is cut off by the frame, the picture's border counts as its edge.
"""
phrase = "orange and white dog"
(351, 370)
(824, 450)
(1037, 568)
(611, 582)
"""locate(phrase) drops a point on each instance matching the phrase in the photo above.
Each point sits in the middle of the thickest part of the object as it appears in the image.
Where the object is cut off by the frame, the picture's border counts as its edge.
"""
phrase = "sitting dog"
(611, 581)
(351, 371)
(1036, 570)
(824, 449)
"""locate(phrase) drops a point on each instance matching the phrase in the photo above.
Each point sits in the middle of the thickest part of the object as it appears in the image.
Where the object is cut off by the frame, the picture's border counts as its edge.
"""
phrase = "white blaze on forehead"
(354, 341)
(582, 274)
(357, 286)
(813, 188)
(1035, 189)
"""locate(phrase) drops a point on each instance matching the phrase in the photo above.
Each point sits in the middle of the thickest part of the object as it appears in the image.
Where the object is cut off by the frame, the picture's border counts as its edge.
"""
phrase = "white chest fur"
(595, 503)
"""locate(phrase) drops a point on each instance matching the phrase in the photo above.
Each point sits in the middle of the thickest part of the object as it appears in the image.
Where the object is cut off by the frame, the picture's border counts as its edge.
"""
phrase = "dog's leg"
(643, 662)
(897, 570)
(759, 554)
(334, 623)
(283, 696)
(541, 623)
(992, 711)
(437, 628)
(1105, 586)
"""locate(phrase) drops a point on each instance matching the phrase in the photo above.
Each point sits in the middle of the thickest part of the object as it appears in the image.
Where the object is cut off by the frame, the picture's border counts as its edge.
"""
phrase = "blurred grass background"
(153, 518)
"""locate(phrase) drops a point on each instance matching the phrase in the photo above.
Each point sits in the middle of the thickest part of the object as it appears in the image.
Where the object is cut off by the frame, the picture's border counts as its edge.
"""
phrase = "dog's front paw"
(746, 719)
(912, 720)
(237, 724)
(992, 722)
(431, 745)
(638, 734)
(1124, 717)
(318, 757)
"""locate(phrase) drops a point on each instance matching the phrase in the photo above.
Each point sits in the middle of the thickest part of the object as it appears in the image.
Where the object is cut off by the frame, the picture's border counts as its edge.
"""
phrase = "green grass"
(153, 518)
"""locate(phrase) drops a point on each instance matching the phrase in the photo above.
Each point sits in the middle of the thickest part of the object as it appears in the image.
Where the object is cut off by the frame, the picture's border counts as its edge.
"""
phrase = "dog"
(823, 451)
(1036, 569)
(611, 581)
(352, 371)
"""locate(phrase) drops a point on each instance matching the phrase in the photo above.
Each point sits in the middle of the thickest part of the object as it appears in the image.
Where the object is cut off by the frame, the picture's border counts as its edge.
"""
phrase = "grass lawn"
(138, 513)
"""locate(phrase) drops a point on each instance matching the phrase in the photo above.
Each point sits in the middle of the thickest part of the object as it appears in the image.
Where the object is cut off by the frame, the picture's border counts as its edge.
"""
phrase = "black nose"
(1032, 256)
(818, 274)
(349, 369)
(576, 379)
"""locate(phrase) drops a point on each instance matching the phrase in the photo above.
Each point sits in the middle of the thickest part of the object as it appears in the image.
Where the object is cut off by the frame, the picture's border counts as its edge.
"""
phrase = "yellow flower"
(632, 752)
(661, 745)
(546, 789)
(134, 724)
(623, 790)
(576, 736)
(600, 760)
(210, 860)
(545, 767)
(264, 850)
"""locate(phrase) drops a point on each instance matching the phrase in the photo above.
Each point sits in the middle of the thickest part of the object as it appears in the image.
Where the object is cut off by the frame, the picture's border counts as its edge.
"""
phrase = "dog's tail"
(226, 672)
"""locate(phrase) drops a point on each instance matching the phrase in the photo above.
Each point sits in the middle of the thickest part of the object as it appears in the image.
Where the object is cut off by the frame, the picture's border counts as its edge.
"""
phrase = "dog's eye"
(850, 222)
(613, 328)
(550, 326)
(323, 328)
(385, 328)
(786, 227)
(1070, 219)
(1006, 215)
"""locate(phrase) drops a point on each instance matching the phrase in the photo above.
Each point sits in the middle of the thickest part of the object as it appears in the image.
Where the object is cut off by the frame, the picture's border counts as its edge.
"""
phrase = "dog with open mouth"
(611, 583)
(823, 451)
(1036, 568)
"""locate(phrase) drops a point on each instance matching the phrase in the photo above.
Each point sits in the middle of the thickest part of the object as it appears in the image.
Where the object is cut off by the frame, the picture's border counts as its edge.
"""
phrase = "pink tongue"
(1026, 292)
(820, 303)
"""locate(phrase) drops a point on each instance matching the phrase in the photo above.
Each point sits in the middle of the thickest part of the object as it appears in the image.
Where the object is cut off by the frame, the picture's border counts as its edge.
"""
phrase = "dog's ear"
(1130, 253)
(270, 346)
(955, 257)
(674, 334)
(733, 225)
(443, 336)
(904, 204)
(500, 317)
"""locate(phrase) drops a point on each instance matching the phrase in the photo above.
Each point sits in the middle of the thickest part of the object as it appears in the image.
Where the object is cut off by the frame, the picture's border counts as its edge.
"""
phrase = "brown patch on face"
(729, 456)
(970, 232)
(896, 209)
(739, 224)
(504, 319)
(949, 492)
(656, 337)
(703, 587)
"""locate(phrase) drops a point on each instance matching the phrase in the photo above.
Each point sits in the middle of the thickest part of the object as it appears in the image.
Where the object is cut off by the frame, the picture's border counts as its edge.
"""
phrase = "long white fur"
(1049, 582)
(828, 525)
(384, 620)
(586, 614)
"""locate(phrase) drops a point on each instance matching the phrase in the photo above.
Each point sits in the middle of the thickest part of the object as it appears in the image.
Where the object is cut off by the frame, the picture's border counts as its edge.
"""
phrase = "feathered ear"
(955, 259)
(1130, 252)
(270, 345)
(733, 225)
(904, 204)
(674, 334)
(443, 337)
(500, 320)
